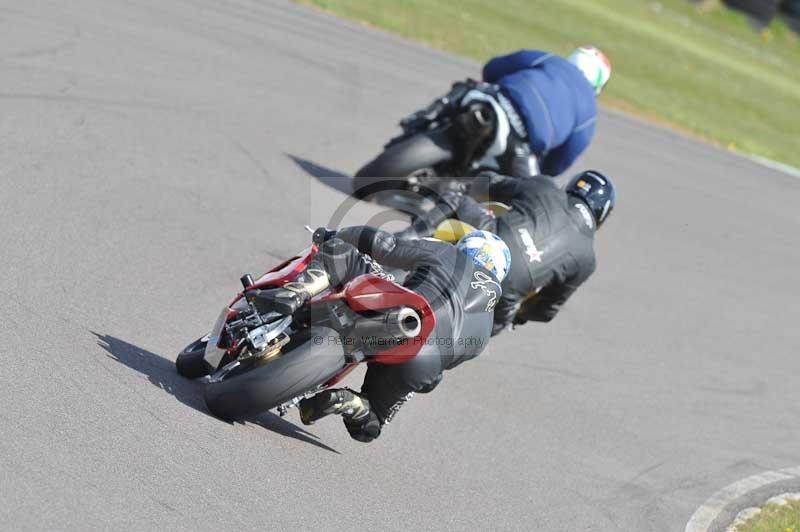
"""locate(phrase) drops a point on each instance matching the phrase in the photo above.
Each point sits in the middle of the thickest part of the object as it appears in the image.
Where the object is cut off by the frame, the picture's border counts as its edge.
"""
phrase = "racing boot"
(350, 405)
(291, 296)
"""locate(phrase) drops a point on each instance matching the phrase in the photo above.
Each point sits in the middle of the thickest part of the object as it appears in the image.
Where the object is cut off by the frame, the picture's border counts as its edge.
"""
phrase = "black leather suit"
(463, 297)
(550, 235)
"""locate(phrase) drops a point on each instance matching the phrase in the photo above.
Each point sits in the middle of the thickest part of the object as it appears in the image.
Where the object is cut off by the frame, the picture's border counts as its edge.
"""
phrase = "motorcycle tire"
(300, 369)
(390, 170)
(191, 362)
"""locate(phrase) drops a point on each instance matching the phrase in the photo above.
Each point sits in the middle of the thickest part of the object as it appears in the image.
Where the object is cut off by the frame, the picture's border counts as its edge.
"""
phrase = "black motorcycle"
(441, 146)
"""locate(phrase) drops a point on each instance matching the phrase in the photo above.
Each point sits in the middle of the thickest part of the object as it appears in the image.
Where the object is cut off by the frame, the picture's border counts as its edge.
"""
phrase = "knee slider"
(364, 430)
(428, 387)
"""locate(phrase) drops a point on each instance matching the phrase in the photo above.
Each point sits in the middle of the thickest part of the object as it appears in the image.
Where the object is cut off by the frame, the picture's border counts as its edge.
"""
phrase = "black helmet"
(596, 190)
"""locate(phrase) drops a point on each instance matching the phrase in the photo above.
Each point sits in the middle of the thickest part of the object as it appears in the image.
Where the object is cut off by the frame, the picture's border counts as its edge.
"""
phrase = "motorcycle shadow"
(333, 178)
(161, 373)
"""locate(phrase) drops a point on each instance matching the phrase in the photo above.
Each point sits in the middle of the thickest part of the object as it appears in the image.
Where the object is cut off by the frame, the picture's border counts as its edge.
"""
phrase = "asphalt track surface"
(151, 152)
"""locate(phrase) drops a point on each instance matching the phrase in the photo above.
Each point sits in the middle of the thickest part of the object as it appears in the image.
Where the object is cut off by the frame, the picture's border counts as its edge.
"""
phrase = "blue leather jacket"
(556, 102)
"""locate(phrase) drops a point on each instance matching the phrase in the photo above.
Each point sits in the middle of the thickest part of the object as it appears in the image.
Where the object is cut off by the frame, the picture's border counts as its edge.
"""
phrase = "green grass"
(704, 72)
(774, 518)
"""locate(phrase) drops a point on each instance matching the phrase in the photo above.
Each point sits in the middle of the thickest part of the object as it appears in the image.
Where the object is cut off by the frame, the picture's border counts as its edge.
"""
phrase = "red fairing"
(370, 292)
(285, 272)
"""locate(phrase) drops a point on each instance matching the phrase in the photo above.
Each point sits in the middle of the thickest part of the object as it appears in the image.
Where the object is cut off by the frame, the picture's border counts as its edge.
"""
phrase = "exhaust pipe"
(407, 321)
(400, 323)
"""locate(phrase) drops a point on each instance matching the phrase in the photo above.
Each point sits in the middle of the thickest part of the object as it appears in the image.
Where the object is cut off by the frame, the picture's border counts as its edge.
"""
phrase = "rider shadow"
(161, 374)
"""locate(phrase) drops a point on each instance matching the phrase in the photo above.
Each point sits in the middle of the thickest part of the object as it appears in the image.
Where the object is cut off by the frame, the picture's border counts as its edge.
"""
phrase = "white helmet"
(594, 64)
(488, 251)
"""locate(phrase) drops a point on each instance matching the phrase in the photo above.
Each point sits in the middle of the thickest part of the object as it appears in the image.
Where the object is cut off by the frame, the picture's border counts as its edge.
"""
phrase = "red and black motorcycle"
(256, 361)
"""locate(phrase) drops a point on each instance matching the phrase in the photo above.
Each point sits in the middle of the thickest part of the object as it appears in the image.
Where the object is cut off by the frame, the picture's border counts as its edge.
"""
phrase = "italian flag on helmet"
(594, 64)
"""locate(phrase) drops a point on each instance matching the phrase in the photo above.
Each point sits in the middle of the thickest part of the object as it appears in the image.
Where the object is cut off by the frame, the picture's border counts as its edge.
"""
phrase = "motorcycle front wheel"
(306, 363)
(191, 362)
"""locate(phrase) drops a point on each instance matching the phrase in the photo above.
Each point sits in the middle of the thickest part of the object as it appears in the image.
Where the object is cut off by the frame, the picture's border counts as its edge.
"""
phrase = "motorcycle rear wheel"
(305, 364)
(391, 170)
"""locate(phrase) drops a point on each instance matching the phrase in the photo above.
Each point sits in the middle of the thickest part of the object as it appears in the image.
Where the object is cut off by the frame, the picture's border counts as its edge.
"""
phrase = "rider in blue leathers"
(547, 110)
(555, 98)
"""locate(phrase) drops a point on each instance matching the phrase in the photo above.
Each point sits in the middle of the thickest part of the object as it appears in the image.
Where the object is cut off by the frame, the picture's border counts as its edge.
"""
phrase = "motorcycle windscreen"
(213, 354)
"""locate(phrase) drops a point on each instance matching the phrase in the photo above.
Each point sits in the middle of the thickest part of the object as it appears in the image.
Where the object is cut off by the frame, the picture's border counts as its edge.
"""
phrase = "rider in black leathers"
(550, 232)
(461, 294)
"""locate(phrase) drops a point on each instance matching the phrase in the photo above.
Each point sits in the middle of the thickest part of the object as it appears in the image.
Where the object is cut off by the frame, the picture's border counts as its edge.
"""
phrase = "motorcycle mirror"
(322, 235)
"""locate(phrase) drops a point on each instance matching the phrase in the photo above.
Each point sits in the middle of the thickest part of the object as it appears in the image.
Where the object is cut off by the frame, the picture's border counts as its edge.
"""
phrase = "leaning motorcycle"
(457, 136)
(256, 361)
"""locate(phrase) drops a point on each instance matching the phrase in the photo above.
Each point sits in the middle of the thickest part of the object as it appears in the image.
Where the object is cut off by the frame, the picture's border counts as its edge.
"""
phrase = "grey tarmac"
(152, 151)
